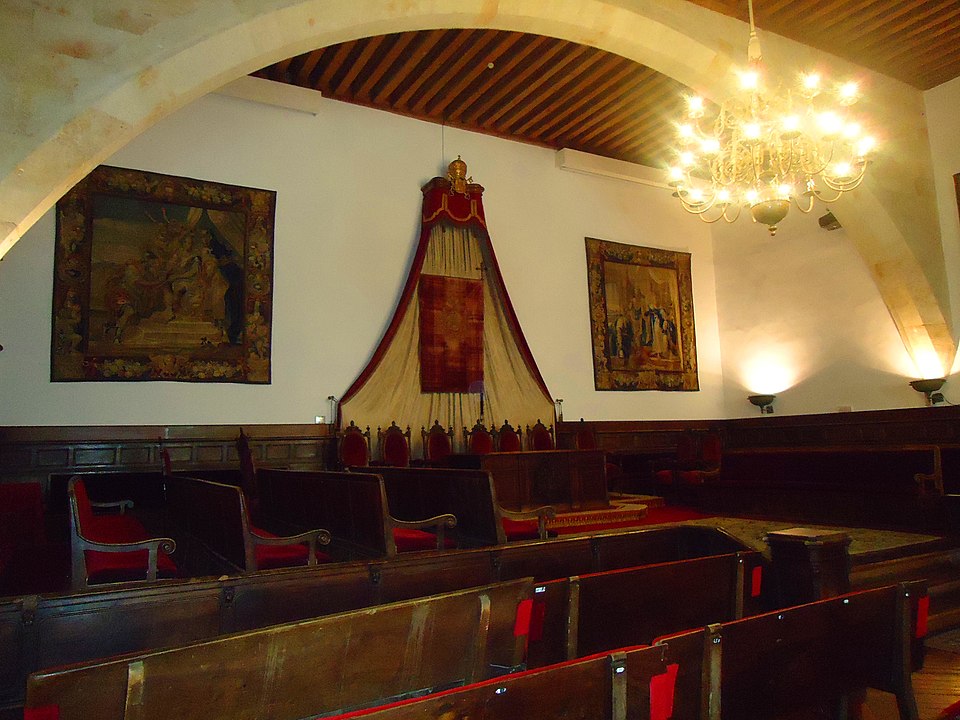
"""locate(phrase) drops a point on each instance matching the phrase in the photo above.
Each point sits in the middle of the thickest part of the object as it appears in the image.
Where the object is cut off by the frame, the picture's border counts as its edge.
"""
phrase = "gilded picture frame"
(158, 277)
(641, 318)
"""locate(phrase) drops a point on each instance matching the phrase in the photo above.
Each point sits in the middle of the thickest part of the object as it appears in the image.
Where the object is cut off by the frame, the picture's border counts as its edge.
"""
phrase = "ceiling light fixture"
(766, 149)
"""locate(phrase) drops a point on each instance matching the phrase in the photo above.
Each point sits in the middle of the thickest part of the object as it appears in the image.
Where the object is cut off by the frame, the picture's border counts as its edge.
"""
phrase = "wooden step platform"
(623, 508)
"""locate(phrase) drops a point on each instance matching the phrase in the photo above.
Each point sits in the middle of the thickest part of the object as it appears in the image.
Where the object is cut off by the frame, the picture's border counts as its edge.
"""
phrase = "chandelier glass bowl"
(765, 150)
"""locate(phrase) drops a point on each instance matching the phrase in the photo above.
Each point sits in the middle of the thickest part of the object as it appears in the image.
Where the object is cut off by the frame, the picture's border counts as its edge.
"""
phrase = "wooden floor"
(936, 688)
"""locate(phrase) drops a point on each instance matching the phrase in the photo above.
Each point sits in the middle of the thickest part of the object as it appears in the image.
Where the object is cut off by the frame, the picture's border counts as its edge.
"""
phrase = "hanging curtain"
(453, 245)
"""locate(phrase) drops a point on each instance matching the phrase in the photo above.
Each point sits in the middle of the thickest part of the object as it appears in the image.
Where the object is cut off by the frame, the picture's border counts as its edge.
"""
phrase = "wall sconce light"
(764, 402)
(929, 388)
(558, 404)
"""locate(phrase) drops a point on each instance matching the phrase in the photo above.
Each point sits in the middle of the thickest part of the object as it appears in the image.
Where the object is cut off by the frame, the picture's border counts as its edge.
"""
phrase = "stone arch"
(89, 79)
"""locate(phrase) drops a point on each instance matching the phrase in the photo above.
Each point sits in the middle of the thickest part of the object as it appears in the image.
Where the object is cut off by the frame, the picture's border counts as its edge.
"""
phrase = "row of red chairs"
(394, 443)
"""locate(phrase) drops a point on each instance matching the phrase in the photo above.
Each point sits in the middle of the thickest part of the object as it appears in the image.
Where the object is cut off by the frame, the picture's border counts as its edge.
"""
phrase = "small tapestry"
(451, 334)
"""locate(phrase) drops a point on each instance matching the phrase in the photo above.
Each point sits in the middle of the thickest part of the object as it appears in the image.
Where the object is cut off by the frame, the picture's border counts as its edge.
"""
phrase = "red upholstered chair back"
(83, 507)
(711, 450)
(686, 450)
(394, 445)
(354, 446)
(21, 514)
(508, 439)
(540, 437)
(437, 442)
(586, 440)
(479, 440)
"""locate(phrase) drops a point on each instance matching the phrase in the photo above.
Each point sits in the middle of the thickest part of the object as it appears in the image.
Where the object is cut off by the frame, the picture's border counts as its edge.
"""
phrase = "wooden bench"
(112, 547)
(296, 670)
(816, 655)
(44, 631)
(633, 682)
(770, 666)
(467, 494)
(216, 516)
(352, 506)
(587, 614)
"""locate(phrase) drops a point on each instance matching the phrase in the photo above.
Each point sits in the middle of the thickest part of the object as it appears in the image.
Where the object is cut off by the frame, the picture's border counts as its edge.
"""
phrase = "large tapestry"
(162, 278)
(451, 334)
(641, 318)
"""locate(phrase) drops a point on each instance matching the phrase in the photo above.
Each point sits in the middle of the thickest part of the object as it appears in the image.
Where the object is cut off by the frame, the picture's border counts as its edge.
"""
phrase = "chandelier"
(764, 150)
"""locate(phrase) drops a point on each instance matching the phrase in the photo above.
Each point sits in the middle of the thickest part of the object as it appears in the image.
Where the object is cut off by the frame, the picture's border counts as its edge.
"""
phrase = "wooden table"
(567, 479)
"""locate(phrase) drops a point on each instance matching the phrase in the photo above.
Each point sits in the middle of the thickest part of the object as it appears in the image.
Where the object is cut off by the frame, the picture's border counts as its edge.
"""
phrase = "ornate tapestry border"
(606, 378)
(244, 359)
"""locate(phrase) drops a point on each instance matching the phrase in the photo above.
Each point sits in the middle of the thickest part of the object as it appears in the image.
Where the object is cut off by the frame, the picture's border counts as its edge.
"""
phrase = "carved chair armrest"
(151, 545)
(438, 521)
(931, 484)
(311, 537)
(122, 505)
(540, 514)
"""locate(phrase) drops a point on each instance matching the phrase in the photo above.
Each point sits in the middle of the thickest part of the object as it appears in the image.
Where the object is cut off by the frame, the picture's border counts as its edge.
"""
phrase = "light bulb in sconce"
(930, 388)
(764, 402)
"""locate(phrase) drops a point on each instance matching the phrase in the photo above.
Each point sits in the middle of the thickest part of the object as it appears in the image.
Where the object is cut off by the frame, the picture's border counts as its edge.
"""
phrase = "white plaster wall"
(347, 220)
(801, 317)
(943, 122)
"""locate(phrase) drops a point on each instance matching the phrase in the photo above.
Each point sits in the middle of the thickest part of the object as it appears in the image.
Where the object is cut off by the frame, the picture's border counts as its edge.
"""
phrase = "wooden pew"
(629, 683)
(352, 506)
(216, 516)
(772, 666)
(818, 655)
(112, 547)
(588, 614)
(301, 669)
(423, 492)
(42, 631)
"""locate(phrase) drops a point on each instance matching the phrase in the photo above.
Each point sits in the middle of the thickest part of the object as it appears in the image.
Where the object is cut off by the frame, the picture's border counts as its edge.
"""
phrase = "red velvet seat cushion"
(121, 566)
(663, 477)
(690, 477)
(280, 556)
(412, 540)
(520, 529)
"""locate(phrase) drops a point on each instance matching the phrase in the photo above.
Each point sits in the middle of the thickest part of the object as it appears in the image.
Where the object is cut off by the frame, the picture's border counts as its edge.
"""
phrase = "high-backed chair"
(437, 443)
(354, 446)
(540, 437)
(585, 437)
(112, 547)
(478, 440)
(508, 439)
(685, 458)
(394, 445)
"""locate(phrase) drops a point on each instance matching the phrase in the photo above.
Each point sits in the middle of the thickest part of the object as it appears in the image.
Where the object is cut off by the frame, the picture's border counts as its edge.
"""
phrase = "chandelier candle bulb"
(767, 150)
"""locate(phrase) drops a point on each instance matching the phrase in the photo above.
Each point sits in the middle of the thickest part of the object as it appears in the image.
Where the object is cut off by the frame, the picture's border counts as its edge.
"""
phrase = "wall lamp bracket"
(764, 402)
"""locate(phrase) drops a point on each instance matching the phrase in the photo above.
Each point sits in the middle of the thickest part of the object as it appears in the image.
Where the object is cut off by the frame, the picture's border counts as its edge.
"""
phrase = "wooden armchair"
(394, 445)
(697, 460)
(540, 437)
(508, 439)
(112, 548)
(478, 440)
(354, 446)
(437, 443)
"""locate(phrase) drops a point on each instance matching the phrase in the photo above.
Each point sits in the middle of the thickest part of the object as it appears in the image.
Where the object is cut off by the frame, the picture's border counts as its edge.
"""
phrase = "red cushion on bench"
(411, 540)
(279, 556)
(520, 529)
